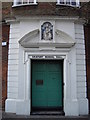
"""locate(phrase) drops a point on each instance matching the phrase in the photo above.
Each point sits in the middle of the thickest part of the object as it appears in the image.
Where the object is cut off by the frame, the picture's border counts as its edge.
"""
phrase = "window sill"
(59, 4)
(18, 5)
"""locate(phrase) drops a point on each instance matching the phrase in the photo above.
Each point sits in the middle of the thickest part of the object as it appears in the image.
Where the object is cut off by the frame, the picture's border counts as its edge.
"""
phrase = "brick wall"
(46, 8)
(6, 10)
(0, 69)
(87, 42)
(5, 37)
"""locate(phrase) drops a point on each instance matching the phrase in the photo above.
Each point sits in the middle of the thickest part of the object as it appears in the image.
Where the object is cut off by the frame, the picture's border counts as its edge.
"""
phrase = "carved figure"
(47, 31)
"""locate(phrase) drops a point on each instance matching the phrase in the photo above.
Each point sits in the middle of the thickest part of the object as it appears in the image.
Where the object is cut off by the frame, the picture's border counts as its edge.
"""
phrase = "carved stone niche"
(47, 31)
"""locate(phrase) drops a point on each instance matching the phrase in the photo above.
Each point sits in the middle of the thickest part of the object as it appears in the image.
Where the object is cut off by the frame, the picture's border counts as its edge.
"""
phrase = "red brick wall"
(0, 67)
(87, 43)
(45, 8)
(5, 37)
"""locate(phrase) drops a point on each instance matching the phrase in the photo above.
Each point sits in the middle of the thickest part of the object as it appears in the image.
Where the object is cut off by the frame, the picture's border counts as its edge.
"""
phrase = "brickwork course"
(46, 9)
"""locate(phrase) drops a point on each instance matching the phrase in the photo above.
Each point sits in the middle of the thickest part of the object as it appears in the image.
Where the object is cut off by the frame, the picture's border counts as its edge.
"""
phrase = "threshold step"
(48, 113)
(13, 116)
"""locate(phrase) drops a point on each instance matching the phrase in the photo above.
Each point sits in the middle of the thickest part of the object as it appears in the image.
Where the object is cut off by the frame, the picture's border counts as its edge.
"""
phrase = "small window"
(24, 2)
(74, 3)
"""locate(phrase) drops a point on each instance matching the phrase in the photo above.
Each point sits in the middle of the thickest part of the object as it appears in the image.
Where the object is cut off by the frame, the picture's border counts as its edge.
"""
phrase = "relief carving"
(47, 31)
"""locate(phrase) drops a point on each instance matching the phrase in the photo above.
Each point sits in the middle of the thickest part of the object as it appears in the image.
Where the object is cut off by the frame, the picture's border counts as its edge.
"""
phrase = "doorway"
(47, 85)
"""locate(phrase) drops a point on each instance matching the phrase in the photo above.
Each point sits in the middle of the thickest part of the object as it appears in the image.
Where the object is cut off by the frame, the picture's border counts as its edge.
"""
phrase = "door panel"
(38, 73)
(47, 91)
(54, 84)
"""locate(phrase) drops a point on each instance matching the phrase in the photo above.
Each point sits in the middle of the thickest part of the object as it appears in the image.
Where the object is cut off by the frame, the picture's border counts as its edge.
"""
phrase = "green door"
(46, 84)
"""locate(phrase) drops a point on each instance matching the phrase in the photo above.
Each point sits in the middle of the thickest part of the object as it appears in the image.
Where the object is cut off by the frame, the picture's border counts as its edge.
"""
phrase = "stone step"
(10, 116)
(48, 113)
(46, 118)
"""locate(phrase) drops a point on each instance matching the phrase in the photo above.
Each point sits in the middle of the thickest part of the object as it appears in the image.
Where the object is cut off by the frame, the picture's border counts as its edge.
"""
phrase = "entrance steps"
(48, 113)
(10, 116)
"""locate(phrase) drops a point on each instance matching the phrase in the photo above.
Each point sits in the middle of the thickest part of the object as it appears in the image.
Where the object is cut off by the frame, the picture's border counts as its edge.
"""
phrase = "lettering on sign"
(46, 57)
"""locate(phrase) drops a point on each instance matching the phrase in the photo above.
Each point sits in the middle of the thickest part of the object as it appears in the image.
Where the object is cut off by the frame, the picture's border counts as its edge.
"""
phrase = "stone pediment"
(63, 37)
(32, 39)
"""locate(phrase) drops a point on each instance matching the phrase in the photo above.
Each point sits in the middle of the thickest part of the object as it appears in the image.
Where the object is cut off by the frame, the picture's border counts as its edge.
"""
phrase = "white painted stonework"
(26, 44)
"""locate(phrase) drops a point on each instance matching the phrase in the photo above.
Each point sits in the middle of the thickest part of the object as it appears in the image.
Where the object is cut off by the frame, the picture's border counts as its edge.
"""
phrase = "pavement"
(10, 116)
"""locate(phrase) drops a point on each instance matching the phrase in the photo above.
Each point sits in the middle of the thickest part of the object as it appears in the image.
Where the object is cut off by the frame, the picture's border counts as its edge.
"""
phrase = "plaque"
(39, 82)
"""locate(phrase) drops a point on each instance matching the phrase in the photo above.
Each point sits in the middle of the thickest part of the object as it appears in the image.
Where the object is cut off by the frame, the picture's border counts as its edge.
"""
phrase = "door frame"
(69, 73)
(51, 109)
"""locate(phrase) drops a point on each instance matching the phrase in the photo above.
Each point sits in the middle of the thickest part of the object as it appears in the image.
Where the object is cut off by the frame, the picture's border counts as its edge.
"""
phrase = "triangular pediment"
(61, 39)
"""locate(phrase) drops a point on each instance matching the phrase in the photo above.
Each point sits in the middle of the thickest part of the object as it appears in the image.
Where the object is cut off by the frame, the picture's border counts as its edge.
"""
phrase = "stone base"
(10, 105)
(23, 107)
(71, 108)
(20, 107)
(83, 106)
